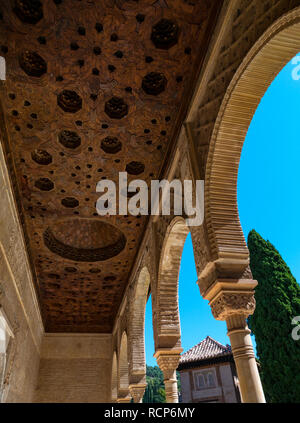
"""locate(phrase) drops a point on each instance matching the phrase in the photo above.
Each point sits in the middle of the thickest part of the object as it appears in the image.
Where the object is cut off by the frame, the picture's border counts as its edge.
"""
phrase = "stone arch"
(168, 331)
(123, 366)
(279, 44)
(137, 328)
(114, 378)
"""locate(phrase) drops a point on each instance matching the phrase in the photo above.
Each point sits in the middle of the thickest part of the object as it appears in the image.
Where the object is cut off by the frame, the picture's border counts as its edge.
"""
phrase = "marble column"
(233, 301)
(168, 361)
(243, 353)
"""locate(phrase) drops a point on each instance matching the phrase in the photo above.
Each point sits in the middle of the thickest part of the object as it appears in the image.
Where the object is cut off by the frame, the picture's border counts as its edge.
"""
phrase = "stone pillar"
(2, 373)
(246, 366)
(233, 301)
(137, 392)
(123, 396)
(168, 361)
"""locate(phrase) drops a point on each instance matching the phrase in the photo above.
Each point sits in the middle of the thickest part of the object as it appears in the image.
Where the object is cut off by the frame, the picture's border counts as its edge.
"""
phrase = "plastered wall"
(17, 301)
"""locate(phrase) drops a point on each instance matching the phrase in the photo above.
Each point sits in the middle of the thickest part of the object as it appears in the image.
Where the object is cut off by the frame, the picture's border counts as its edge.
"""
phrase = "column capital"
(137, 391)
(232, 267)
(168, 359)
(123, 396)
(231, 297)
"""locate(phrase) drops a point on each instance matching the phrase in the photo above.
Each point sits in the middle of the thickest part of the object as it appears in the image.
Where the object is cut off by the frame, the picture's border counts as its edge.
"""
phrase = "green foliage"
(277, 303)
(155, 372)
(155, 392)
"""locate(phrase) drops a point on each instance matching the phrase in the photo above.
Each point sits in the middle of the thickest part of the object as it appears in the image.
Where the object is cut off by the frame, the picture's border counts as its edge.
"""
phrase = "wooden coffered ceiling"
(93, 88)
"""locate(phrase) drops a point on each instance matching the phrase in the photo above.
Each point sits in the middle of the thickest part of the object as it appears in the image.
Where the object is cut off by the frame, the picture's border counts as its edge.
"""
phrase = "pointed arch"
(114, 378)
(168, 320)
(137, 327)
(279, 44)
(123, 364)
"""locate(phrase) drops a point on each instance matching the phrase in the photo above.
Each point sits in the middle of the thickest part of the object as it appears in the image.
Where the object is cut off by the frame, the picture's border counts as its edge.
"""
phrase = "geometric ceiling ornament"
(44, 184)
(135, 168)
(74, 117)
(29, 11)
(70, 269)
(165, 34)
(32, 63)
(41, 157)
(154, 83)
(84, 240)
(111, 145)
(69, 139)
(69, 101)
(95, 271)
(70, 202)
(116, 108)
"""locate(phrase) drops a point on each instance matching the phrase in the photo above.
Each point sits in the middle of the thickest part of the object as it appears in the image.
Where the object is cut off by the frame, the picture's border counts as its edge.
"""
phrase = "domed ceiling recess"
(93, 88)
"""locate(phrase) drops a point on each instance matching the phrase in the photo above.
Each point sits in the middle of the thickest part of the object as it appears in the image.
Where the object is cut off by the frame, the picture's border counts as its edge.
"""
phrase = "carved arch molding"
(279, 44)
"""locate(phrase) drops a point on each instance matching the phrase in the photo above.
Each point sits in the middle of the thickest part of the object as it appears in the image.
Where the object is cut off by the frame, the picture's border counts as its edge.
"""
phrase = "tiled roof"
(207, 349)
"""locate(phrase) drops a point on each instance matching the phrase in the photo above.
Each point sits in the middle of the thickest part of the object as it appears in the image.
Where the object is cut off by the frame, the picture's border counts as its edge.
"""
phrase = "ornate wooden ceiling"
(93, 88)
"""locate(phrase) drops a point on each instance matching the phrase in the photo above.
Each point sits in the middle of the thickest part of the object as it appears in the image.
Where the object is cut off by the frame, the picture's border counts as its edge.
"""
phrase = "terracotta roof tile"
(207, 349)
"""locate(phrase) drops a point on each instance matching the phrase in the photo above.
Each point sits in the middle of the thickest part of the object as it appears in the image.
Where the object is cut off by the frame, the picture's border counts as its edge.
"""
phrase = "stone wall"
(75, 368)
(225, 390)
(17, 301)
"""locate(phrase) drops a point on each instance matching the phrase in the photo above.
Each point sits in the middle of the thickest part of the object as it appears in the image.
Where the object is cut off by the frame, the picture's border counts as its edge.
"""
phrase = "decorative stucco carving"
(229, 303)
(137, 392)
(167, 361)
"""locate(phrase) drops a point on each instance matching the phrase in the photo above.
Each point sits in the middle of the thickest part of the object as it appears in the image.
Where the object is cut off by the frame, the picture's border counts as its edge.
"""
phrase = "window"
(5, 335)
(206, 379)
(210, 380)
(201, 381)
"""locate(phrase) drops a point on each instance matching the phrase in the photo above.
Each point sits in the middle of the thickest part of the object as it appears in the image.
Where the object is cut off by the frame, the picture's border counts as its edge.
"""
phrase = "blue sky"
(268, 199)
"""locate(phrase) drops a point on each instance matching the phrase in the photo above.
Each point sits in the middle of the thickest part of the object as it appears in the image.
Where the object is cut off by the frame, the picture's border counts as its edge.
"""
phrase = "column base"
(126, 400)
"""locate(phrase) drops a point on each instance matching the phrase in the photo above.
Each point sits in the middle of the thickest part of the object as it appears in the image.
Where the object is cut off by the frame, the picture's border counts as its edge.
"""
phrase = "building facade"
(208, 374)
(160, 92)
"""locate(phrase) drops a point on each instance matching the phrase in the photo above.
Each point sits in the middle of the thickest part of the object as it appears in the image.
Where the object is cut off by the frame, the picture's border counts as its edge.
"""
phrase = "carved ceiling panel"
(93, 88)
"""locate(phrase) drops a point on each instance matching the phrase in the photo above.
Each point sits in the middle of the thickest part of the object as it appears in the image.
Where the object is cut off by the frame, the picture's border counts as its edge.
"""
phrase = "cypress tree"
(277, 304)
(155, 391)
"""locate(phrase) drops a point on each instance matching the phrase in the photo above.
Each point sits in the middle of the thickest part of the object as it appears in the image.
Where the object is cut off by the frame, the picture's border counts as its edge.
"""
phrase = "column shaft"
(171, 389)
(246, 366)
